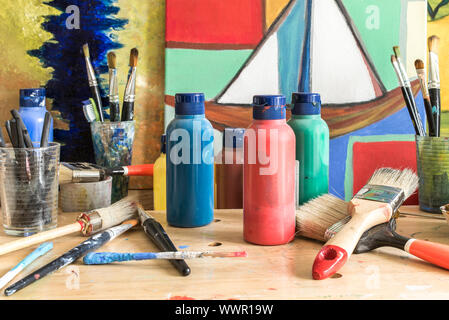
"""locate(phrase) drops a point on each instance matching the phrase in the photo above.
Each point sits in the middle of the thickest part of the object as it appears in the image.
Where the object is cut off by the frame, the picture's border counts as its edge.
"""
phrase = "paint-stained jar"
(269, 174)
(190, 164)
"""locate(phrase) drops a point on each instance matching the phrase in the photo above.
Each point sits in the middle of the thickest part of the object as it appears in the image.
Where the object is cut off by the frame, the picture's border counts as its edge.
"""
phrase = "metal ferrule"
(395, 197)
(398, 73)
(336, 227)
(422, 80)
(113, 86)
(86, 175)
(90, 73)
(130, 89)
(143, 216)
(403, 73)
(94, 222)
(434, 73)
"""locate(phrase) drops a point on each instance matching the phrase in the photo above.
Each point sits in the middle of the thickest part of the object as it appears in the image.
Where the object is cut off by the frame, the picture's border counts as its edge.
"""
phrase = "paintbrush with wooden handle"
(323, 217)
(87, 223)
(374, 204)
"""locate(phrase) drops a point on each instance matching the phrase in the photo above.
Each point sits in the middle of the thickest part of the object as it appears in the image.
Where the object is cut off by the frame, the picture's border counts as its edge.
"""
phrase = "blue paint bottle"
(190, 164)
(32, 110)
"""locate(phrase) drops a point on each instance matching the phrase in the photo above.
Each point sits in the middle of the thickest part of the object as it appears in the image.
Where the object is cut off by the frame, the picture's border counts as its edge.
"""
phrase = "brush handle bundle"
(70, 256)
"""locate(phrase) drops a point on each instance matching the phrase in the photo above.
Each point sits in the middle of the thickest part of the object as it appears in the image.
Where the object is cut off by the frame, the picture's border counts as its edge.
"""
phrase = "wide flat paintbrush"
(70, 256)
(434, 80)
(87, 223)
(421, 73)
(374, 204)
(317, 219)
(77, 172)
(130, 90)
(93, 84)
(404, 83)
(114, 103)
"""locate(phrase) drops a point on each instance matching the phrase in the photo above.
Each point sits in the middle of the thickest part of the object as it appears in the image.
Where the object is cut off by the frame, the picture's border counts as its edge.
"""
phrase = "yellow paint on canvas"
(20, 30)
(145, 31)
(441, 29)
(272, 9)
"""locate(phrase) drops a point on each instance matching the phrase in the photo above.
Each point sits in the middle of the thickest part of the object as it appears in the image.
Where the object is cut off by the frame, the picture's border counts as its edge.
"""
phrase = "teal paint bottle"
(190, 164)
(312, 145)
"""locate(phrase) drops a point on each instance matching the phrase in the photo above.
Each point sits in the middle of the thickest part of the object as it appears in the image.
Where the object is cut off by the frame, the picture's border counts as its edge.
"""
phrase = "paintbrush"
(87, 223)
(404, 83)
(374, 204)
(22, 127)
(40, 251)
(154, 230)
(110, 257)
(70, 256)
(77, 172)
(114, 103)
(421, 73)
(46, 130)
(129, 97)
(434, 80)
(93, 84)
(11, 133)
(322, 217)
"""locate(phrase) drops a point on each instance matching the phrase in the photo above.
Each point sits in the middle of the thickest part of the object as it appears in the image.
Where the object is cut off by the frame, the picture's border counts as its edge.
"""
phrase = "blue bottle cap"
(269, 107)
(305, 103)
(32, 98)
(164, 143)
(189, 103)
(233, 137)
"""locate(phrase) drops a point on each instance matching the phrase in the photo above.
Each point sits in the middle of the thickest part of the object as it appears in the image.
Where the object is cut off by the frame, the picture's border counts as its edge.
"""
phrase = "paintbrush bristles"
(397, 51)
(111, 60)
(419, 64)
(115, 214)
(86, 50)
(133, 57)
(65, 174)
(405, 179)
(432, 43)
(315, 216)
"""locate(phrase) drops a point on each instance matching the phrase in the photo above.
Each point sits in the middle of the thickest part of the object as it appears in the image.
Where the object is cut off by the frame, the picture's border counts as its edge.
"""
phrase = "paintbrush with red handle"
(374, 204)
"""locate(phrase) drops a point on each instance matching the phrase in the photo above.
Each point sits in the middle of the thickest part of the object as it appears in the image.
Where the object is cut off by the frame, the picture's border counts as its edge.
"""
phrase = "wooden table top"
(277, 272)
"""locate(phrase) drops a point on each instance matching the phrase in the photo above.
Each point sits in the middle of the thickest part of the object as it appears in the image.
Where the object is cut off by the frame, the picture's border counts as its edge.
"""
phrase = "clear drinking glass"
(113, 145)
(29, 188)
(432, 155)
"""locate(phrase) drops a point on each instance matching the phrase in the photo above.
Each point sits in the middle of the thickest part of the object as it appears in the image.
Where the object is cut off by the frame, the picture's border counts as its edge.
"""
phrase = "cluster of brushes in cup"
(430, 90)
(103, 225)
(93, 108)
(18, 132)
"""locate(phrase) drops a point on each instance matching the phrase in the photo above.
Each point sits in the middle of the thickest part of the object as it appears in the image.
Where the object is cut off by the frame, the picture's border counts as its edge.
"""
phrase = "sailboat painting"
(234, 49)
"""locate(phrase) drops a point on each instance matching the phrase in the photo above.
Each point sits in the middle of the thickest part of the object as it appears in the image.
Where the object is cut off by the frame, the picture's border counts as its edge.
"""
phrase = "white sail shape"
(259, 76)
(338, 71)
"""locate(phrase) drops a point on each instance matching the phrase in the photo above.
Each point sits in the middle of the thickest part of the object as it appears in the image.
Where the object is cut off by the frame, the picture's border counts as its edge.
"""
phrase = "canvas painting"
(341, 49)
(44, 41)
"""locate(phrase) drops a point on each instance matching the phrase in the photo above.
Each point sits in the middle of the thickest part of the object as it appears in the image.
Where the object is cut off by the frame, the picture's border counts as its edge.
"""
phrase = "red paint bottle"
(229, 170)
(269, 174)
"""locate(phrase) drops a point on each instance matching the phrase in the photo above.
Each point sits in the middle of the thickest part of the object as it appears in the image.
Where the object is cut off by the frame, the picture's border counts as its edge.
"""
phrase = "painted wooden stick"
(40, 251)
(110, 257)
(70, 256)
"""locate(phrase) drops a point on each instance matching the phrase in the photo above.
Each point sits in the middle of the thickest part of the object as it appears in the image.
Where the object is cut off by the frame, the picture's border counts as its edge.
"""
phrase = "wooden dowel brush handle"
(39, 237)
(336, 251)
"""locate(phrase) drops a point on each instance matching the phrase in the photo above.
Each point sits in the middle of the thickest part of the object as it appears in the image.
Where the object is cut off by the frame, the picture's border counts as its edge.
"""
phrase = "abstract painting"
(339, 48)
(43, 41)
